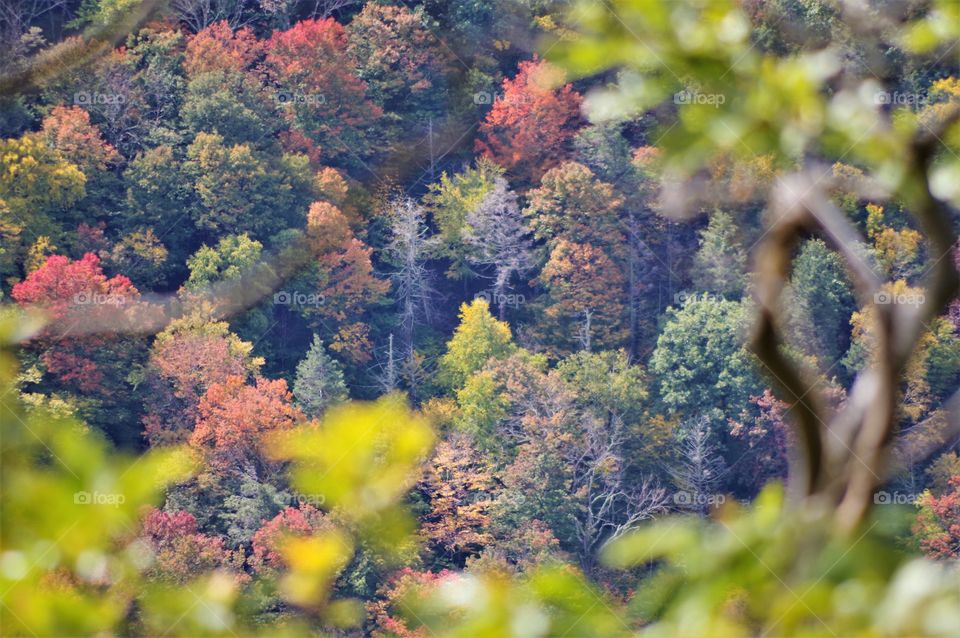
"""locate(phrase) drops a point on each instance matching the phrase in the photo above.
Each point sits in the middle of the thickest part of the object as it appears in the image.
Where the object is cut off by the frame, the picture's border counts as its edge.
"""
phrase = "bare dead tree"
(498, 237)
(611, 506)
(584, 330)
(284, 11)
(387, 377)
(18, 16)
(326, 8)
(697, 475)
(408, 250)
(198, 14)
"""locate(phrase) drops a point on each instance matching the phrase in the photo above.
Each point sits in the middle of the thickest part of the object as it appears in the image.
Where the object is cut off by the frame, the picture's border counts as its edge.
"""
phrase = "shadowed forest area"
(480, 318)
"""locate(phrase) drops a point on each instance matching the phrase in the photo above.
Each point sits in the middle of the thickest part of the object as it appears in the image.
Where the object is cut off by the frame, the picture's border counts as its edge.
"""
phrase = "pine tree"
(821, 302)
(319, 381)
(720, 263)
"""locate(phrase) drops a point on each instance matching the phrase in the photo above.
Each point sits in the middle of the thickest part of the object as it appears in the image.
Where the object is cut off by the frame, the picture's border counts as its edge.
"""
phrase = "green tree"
(700, 362)
(232, 255)
(160, 198)
(604, 149)
(245, 511)
(720, 264)
(398, 57)
(39, 187)
(450, 201)
(319, 382)
(482, 405)
(606, 382)
(572, 204)
(822, 301)
(241, 190)
(158, 192)
(478, 338)
(231, 259)
(231, 104)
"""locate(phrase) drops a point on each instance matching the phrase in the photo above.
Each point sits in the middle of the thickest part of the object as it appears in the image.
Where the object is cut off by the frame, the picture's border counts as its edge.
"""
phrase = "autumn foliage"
(461, 490)
(79, 301)
(391, 612)
(233, 418)
(531, 123)
(382, 258)
(185, 361)
(68, 129)
(324, 99)
(267, 542)
(937, 527)
(347, 283)
(180, 552)
(220, 48)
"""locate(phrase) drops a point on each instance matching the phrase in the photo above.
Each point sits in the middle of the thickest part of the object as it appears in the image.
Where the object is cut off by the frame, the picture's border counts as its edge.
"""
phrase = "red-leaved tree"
(529, 128)
(80, 303)
(267, 542)
(347, 284)
(234, 417)
(390, 610)
(219, 48)
(186, 360)
(323, 99)
(68, 129)
(937, 528)
(180, 552)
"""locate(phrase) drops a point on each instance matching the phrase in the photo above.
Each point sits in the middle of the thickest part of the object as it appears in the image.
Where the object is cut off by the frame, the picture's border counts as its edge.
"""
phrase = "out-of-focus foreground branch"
(843, 461)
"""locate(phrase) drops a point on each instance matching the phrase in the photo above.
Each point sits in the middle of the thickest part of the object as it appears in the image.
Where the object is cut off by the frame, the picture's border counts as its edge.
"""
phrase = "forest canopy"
(509, 318)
